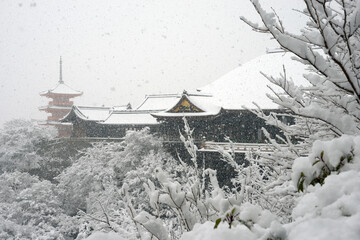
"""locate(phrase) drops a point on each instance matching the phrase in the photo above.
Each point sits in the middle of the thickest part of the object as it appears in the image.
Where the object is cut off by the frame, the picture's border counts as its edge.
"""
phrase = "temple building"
(59, 105)
(217, 111)
(100, 122)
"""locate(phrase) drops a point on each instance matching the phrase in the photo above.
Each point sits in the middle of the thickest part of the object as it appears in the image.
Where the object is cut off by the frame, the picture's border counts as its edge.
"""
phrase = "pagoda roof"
(61, 89)
(87, 113)
(54, 107)
(192, 105)
(131, 117)
(246, 85)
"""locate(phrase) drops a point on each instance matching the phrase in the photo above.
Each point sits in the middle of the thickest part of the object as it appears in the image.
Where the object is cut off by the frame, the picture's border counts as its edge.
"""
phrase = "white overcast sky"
(116, 51)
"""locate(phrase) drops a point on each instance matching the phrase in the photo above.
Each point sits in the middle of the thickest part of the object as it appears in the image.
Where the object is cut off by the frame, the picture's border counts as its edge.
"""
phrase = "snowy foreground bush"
(328, 211)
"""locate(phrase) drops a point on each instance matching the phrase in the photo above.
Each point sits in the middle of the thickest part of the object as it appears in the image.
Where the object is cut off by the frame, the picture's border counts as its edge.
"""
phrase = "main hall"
(223, 109)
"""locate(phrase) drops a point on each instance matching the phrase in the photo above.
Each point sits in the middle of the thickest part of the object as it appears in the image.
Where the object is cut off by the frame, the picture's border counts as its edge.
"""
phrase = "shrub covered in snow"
(93, 183)
(30, 209)
(326, 158)
(19, 143)
(329, 211)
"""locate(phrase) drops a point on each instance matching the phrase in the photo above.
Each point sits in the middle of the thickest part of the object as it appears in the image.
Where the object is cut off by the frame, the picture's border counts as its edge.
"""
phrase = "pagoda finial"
(60, 77)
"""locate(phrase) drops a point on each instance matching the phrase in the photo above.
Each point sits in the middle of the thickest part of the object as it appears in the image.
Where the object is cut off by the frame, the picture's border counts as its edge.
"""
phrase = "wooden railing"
(203, 146)
(238, 147)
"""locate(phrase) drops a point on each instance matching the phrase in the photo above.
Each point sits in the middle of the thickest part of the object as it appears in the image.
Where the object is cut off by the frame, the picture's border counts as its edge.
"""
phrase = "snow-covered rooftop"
(55, 107)
(245, 84)
(204, 102)
(158, 102)
(88, 113)
(62, 88)
(207, 103)
(131, 117)
(122, 107)
(95, 113)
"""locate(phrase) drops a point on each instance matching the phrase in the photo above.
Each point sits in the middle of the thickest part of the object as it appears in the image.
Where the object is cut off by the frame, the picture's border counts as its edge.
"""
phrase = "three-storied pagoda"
(60, 105)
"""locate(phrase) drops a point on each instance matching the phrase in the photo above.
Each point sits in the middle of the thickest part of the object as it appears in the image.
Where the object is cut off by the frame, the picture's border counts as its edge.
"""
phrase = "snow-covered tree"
(30, 209)
(19, 142)
(329, 105)
(329, 44)
(92, 172)
(92, 184)
(180, 199)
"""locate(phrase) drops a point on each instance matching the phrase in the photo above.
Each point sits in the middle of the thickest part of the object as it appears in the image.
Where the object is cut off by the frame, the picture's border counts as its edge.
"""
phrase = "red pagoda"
(59, 106)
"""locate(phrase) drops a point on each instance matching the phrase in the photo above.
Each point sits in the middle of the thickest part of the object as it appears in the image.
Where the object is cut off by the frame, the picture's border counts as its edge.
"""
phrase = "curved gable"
(185, 106)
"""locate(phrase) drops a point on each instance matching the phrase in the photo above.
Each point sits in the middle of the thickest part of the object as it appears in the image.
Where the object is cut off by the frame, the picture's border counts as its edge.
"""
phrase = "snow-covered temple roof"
(158, 102)
(88, 113)
(122, 107)
(245, 84)
(191, 105)
(61, 89)
(130, 117)
(57, 107)
(240, 87)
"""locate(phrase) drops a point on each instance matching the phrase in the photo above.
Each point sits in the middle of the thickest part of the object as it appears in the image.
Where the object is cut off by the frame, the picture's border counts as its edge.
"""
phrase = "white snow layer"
(207, 231)
(329, 212)
(131, 118)
(63, 88)
(246, 84)
(206, 103)
(332, 152)
(104, 236)
(93, 113)
(159, 102)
